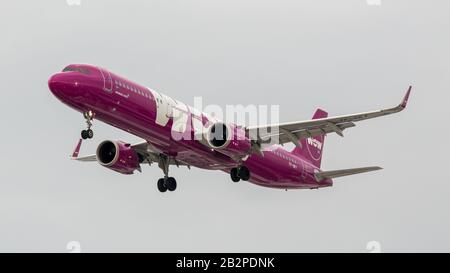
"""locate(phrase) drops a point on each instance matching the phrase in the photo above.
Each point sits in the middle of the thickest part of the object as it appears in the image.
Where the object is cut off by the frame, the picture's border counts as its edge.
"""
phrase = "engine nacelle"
(228, 139)
(118, 156)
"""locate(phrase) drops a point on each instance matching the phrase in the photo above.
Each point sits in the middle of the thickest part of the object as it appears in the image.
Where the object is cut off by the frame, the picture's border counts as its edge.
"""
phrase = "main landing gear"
(85, 134)
(166, 183)
(239, 173)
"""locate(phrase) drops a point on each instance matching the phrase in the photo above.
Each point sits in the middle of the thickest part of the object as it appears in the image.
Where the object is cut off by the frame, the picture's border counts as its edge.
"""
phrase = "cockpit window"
(76, 69)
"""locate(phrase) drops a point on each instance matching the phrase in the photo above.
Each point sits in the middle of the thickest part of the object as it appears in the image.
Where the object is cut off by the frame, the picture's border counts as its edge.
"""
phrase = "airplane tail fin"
(311, 148)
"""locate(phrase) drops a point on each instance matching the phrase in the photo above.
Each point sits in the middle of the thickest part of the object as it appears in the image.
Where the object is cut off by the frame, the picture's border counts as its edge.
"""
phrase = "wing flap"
(345, 172)
(306, 133)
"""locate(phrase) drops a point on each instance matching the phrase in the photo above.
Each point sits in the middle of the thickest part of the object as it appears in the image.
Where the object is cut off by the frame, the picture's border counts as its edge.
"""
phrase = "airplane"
(175, 134)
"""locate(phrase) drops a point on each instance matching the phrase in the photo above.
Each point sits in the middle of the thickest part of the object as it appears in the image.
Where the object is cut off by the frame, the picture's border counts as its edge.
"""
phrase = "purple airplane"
(177, 134)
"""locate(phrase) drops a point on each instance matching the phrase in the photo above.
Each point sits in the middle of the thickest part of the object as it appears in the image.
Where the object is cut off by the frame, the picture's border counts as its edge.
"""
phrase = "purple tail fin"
(311, 148)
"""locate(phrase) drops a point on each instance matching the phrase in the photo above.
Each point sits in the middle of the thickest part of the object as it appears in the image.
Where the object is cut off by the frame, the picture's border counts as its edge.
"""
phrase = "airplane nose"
(62, 85)
(53, 84)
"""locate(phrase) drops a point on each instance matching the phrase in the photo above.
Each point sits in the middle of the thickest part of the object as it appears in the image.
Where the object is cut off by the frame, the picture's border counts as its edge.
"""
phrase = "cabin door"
(107, 80)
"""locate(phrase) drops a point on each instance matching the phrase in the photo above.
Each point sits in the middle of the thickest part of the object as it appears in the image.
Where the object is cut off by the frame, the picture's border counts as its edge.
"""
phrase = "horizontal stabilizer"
(338, 173)
(76, 152)
(88, 158)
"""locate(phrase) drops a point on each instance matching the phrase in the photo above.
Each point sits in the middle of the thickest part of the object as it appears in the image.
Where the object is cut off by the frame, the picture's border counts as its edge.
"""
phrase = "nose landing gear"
(85, 134)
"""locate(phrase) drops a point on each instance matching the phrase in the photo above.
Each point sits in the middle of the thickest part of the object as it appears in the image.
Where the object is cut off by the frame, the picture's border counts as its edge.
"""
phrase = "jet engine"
(118, 156)
(228, 139)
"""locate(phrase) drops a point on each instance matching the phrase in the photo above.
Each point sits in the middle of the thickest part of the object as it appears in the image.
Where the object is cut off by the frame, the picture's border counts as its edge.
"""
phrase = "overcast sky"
(344, 56)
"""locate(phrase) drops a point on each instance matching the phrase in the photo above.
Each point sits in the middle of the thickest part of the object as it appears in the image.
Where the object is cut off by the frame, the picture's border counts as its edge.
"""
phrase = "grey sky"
(344, 56)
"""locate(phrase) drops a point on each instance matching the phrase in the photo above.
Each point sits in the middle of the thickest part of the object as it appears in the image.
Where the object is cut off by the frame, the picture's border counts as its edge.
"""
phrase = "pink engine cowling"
(118, 156)
(228, 139)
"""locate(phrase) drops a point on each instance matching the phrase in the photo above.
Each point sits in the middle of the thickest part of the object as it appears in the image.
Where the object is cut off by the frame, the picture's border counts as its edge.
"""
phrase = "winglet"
(405, 99)
(77, 149)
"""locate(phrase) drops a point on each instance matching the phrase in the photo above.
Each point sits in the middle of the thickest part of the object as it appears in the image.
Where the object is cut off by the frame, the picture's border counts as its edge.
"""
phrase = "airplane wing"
(339, 173)
(143, 148)
(294, 131)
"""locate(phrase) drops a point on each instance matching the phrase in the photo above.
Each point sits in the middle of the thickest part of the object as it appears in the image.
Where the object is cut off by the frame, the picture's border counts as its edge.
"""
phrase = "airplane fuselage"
(149, 115)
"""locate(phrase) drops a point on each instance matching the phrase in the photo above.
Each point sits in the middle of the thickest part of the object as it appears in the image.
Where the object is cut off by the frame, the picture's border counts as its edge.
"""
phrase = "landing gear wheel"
(171, 184)
(161, 185)
(84, 134)
(244, 173)
(90, 133)
(234, 175)
(168, 183)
